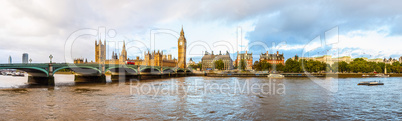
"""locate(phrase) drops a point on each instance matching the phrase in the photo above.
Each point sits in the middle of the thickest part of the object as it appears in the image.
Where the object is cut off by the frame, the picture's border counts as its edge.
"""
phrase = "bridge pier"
(41, 80)
(124, 77)
(90, 78)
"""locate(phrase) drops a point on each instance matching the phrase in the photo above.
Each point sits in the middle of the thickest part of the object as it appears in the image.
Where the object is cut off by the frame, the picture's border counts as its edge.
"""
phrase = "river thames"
(202, 98)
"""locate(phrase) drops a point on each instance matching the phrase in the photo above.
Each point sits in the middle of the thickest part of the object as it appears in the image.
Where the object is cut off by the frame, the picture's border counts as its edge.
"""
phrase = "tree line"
(357, 65)
(302, 65)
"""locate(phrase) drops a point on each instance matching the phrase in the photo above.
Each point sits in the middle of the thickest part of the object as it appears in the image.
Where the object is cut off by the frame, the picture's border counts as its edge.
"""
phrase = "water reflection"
(188, 98)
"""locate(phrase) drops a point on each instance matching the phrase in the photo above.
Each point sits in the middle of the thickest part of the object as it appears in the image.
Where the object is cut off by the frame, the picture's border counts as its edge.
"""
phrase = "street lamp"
(51, 57)
(30, 60)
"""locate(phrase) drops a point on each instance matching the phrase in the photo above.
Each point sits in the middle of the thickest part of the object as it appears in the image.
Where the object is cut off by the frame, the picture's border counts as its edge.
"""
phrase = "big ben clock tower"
(181, 63)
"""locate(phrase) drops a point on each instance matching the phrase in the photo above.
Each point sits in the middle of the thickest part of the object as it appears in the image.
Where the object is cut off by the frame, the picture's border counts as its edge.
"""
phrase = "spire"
(182, 32)
(124, 44)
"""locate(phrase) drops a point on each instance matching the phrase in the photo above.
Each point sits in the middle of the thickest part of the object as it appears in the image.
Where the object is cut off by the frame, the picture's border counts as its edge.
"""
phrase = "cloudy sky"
(359, 28)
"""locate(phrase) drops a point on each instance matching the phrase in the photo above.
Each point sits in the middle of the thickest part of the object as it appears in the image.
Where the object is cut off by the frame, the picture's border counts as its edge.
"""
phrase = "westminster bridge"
(42, 73)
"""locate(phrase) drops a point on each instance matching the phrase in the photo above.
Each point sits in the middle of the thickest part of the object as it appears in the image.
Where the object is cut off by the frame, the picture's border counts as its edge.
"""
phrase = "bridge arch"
(180, 70)
(133, 69)
(168, 70)
(36, 71)
(150, 69)
(77, 69)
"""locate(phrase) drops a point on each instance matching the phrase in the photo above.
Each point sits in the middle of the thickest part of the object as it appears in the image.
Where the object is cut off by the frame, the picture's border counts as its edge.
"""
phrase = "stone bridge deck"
(42, 73)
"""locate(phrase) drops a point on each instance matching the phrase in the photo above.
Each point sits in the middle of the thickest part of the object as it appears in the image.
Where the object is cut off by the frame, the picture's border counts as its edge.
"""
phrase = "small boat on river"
(275, 76)
(381, 75)
(371, 83)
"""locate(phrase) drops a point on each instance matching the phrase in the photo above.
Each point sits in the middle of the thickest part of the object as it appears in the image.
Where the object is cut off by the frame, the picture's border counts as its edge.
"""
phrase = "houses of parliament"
(155, 58)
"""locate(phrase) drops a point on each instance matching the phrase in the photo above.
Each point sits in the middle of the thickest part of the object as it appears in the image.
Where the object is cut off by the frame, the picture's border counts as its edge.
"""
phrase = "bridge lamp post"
(51, 57)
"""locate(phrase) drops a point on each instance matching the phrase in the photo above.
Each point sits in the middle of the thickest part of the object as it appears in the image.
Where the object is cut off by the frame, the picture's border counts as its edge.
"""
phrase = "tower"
(182, 43)
(10, 60)
(123, 54)
(100, 52)
(25, 58)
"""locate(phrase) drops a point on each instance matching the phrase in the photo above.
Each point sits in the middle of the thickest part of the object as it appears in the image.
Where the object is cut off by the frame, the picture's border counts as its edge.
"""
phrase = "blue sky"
(363, 28)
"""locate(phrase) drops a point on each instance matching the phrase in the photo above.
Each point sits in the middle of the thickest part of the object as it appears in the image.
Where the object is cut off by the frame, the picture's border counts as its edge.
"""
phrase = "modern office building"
(10, 60)
(25, 58)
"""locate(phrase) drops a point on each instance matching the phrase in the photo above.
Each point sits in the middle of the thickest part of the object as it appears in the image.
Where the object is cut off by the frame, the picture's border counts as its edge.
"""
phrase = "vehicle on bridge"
(130, 62)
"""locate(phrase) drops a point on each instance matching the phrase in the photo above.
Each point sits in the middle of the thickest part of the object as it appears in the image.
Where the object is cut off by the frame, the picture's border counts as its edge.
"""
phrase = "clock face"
(181, 43)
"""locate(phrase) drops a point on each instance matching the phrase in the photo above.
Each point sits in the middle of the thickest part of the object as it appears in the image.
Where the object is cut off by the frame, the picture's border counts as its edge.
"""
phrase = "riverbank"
(339, 75)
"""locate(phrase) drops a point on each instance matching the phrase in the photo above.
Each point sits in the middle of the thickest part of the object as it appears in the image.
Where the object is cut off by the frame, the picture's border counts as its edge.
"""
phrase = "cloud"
(42, 27)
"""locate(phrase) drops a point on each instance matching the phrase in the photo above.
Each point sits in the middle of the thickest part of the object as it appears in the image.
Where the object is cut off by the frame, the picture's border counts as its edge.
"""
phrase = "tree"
(335, 67)
(280, 67)
(219, 64)
(257, 66)
(200, 66)
(378, 69)
(292, 66)
(262, 66)
(242, 64)
(265, 66)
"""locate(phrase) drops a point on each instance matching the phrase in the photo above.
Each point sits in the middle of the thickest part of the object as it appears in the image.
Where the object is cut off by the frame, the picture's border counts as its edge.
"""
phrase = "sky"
(68, 29)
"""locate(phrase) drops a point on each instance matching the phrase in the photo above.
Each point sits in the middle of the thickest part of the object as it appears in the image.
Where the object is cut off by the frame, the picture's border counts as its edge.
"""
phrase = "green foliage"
(361, 65)
(219, 64)
(292, 66)
(356, 66)
(262, 66)
(199, 66)
(242, 64)
(280, 67)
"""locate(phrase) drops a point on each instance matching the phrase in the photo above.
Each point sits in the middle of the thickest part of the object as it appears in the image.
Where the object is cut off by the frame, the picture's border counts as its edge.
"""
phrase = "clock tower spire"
(182, 43)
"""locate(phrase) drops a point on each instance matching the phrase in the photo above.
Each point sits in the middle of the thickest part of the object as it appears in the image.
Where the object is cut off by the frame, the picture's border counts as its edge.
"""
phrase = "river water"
(209, 98)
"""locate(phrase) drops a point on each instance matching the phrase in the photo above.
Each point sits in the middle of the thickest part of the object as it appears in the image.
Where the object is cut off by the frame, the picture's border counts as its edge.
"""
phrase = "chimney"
(212, 52)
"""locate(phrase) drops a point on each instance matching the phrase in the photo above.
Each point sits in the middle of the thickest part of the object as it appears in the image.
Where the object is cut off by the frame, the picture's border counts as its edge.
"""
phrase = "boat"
(381, 75)
(18, 74)
(370, 83)
(275, 76)
(365, 75)
(9, 74)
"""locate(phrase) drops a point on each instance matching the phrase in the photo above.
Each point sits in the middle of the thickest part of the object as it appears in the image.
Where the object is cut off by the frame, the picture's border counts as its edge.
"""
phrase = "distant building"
(100, 55)
(247, 57)
(156, 59)
(208, 60)
(275, 58)
(10, 60)
(78, 60)
(389, 61)
(400, 59)
(329, 60)
(100, 51)
(190, 62)
(25, 58)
